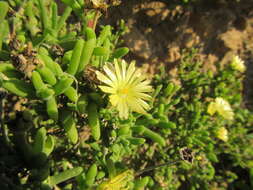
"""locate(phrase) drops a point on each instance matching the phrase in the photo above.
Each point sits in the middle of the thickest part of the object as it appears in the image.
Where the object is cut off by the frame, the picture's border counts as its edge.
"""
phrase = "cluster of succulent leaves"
(57, 127)
(217, 164)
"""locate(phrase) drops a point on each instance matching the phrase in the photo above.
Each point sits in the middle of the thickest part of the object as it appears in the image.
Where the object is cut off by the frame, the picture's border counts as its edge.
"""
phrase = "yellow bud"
(222, 134)
(238, 64)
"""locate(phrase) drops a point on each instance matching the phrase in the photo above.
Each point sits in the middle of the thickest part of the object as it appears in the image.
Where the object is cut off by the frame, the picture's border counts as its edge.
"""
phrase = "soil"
(160, 29)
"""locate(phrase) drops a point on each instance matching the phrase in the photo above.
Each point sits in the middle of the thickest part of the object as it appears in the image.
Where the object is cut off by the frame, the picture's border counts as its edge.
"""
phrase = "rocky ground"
(159, 30)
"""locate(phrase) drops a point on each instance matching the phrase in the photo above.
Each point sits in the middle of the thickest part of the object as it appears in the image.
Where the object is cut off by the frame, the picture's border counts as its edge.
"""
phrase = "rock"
(138, 44)
(233, 39)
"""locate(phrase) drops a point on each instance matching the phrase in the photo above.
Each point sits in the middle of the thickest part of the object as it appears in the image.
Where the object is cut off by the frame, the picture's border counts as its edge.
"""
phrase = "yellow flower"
(127, 86)
(222, 107)
(238, 64)
(222, 134)
(119, 182)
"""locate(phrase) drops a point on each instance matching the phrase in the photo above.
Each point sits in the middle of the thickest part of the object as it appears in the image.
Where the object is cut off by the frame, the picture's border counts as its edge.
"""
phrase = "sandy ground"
(159, 30)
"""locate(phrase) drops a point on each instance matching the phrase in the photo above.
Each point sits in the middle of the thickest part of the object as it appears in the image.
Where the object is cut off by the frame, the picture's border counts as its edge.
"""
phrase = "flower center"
(123, 91)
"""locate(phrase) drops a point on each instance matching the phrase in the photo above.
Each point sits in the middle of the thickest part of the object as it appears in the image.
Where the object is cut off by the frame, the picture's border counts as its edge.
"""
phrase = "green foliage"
(58, 129)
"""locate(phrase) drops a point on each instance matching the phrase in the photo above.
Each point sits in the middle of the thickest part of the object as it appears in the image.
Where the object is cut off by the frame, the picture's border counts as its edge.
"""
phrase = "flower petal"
(104, 79)
(107, 89)
(130, 71)
(118, 72)
(114, 99)
(135, 106)
(110, 73)
(143, 89)
(124, 70)
(123, 109)
(142, 96)
(143, 104)
(211, 109)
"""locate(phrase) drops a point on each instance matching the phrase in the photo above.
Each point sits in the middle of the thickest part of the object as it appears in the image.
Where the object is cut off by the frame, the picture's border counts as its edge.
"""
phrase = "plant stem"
(3, 126)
